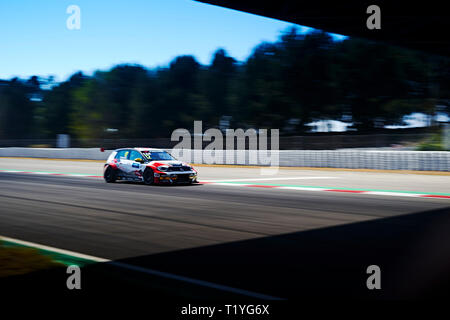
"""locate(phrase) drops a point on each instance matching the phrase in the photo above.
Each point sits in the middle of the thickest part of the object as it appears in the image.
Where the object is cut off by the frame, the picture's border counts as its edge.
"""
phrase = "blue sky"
(34, 39)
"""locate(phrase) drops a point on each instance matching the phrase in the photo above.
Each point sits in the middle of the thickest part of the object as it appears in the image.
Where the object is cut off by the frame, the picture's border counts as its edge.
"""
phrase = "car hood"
(169, 163)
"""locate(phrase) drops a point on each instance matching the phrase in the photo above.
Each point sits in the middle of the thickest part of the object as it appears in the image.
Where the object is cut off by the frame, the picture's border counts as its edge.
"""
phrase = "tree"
(58, 104)
(17, 108)
(290, 82)
(218, 84)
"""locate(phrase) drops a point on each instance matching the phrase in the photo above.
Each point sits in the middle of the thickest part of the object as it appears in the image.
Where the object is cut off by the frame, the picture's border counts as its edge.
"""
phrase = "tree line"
(285, 84)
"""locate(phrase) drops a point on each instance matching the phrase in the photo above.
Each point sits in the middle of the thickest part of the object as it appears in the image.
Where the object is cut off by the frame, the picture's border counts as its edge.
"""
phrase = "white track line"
(394, 194)
(167, 275)
(251, 184)
(269, 179)
(304, 188)
(61, 251)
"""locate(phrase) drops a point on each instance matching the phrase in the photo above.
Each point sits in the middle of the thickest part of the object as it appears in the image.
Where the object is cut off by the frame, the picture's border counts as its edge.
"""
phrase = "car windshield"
(157, 155)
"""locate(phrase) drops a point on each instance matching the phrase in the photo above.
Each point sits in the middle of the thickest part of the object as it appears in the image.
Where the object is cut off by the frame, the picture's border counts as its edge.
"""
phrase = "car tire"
(109, 175)
(148, 176)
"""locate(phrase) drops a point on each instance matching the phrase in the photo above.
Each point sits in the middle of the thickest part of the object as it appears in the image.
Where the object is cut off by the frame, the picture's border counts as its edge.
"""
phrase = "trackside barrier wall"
(358, 159)
(56, 153)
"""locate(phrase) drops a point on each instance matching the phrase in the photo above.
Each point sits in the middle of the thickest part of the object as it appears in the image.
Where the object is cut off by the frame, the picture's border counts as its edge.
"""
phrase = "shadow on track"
(413, 252)
(161, 184)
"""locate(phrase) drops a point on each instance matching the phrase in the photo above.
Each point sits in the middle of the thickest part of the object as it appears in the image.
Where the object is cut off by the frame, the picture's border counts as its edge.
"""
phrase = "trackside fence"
(353, 159)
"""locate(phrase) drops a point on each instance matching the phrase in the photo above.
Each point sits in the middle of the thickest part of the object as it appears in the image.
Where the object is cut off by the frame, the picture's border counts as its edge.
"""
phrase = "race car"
(148, 165)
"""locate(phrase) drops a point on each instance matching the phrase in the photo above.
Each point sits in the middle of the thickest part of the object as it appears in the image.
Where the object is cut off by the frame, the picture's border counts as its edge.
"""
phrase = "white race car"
(148, 165)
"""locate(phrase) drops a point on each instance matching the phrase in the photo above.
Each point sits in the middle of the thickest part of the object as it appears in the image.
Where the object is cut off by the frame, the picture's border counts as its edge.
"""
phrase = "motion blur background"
(140, 74)
(137, 70)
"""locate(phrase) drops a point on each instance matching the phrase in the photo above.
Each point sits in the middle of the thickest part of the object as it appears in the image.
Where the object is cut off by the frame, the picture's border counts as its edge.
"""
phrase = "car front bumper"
(175, 177)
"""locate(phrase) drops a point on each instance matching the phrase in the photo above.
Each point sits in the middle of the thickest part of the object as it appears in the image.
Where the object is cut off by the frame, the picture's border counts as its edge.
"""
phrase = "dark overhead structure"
(419, 25)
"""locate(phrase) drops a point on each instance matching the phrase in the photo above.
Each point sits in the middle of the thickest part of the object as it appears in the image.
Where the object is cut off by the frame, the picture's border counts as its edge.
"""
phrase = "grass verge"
(21, 260)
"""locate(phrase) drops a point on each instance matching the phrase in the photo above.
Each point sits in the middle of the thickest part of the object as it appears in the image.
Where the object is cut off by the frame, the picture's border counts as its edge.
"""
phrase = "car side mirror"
(139, 160)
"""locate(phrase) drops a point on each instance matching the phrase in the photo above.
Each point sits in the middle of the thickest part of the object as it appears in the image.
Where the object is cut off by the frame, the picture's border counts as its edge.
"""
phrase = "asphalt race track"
(278, 242)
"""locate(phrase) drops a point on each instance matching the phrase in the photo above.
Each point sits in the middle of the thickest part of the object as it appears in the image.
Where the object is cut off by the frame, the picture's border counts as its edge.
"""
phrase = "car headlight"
(162, 168)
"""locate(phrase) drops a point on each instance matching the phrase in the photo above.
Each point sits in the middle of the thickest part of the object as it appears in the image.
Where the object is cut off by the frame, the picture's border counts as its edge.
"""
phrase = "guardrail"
(353, 159)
